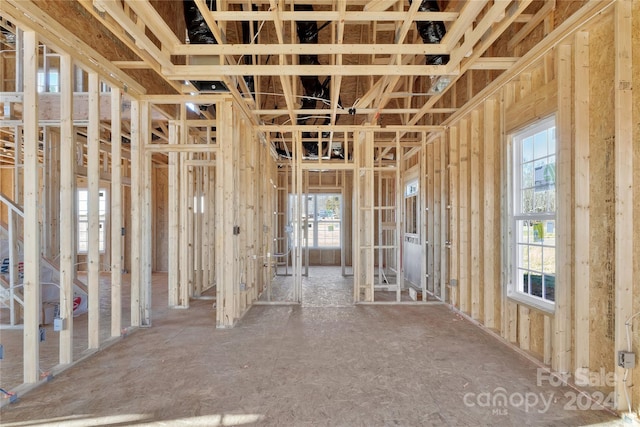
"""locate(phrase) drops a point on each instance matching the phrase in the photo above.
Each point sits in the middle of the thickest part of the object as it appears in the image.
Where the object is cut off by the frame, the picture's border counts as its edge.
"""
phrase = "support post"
(624, 168)
(136, 226)
(562, 319)
(31, 281)
(582, 188)
(116, 213)
(226, 239)
(174, 219)
(67, 208)
(93, 187)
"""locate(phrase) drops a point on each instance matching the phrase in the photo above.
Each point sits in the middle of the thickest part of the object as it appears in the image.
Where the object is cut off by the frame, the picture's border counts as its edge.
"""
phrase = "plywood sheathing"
(636, 176)
(602, 194)
(73, 16)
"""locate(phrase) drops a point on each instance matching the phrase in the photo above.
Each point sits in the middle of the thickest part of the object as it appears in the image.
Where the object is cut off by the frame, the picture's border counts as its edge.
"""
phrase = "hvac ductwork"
(199, 33)
(313, 89)
(432, 32)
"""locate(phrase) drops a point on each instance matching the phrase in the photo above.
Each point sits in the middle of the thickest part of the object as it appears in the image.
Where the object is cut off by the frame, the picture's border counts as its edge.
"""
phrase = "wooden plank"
(506, 207)
(203, 72)
(31, 280)
(444, 217)
(67, 208)
(624, 187)
(564, 257)
(547, 7)
(490, 248)
(582, 188)
(464, 218)
(548, 337)
(586, 13)
(534, 106)
(93, 188)
(145, 215)
(115, 213)
(476, 280)
(436, 225)
(454, 225)
(136, 226)
(173, 275)
(426, 215)
(512, 320)
(27, 15)
(204, 259)
(225, 215)
(524, 327)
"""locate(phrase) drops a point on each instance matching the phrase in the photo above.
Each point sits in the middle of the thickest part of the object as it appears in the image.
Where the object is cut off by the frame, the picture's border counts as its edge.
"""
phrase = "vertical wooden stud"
(67, 208)
(136, 226)
(93, 187)
(489, 252)
(174, 219)
(624, 186)
(562, 319)
(116, 213)
(464, 217)
(31, 280)
(475, 279)
(582, 190)
(454, 224)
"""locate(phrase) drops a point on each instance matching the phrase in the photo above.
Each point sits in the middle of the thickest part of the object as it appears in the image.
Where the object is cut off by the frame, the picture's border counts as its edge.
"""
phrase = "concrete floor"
(305, 365)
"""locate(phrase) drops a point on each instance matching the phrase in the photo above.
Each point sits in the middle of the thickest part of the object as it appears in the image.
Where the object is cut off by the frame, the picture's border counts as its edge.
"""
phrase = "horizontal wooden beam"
(311, 49)
(219, 72)
(493, 63)
(333, 15)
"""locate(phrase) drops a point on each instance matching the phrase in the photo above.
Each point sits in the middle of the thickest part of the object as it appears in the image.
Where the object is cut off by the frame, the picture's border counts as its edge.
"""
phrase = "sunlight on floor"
(138, 420)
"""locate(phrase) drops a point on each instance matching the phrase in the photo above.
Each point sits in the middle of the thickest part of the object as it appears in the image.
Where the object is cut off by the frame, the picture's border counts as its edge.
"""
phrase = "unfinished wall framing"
(583, 332)
(120, 169)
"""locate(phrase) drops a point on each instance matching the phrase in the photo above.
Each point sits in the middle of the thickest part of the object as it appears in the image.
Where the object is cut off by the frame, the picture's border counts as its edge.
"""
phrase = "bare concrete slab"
(305, 366)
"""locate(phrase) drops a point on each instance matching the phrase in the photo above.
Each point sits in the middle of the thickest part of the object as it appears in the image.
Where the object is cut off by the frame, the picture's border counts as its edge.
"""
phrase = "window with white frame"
(321, 215)
(534, 214)
(83, 220)
(411, 207)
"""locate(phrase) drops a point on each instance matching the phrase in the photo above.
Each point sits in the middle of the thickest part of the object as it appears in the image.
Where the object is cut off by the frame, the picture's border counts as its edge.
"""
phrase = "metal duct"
(246, 39)
(199, 33)
(313, 89)
(432, 32)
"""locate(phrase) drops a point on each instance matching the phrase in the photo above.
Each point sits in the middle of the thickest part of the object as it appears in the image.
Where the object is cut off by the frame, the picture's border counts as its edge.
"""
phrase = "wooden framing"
(67, 209)
(582, 201)
(31, 281)
(477, 283)
(116, 214)
(562, 325)
(459, 140)
(93, 188)
(624, 182)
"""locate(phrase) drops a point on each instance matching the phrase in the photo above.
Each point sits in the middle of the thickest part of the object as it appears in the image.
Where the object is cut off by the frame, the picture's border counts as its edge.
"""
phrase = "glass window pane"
(523, 256)
(549, 288)
(552, 140)
(550, 233)
(549, 265)
(524, 231)
(527, 175)
(527, 150)
(523, 281)
(540, 145)
(535, 280)
(535, 258)
(527, 201)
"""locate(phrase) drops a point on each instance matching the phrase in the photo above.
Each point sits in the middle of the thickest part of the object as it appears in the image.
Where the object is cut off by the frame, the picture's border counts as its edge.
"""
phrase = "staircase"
(11, 295)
